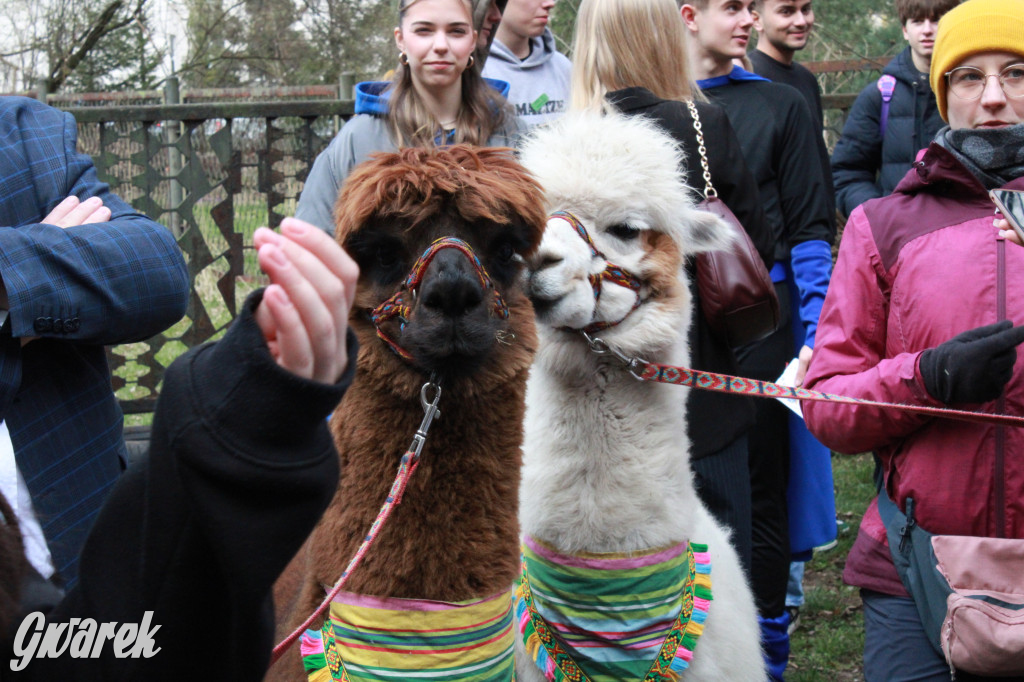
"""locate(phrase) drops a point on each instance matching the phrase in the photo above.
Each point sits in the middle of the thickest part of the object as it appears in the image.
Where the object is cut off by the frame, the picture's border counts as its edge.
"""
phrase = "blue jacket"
(76, 290)
(866, 166)
(372, 96)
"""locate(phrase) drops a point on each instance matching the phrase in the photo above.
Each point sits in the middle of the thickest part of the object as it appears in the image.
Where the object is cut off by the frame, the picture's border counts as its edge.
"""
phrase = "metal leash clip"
(598, 346)
(430, 412)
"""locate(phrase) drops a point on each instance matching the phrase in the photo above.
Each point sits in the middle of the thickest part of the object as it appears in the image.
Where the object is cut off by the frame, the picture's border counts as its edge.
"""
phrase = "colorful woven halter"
(611, 273)
(604, 617)
(398, 307)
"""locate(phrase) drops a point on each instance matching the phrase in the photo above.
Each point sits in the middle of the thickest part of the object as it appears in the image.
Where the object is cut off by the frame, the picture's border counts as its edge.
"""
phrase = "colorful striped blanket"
(370, 639)
(613, 617)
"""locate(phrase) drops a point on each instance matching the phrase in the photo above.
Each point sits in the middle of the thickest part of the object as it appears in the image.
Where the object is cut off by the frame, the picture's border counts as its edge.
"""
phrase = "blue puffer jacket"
(865, 166)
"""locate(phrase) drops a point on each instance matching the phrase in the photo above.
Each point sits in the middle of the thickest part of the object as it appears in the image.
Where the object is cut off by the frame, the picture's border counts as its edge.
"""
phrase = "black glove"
(972, 367)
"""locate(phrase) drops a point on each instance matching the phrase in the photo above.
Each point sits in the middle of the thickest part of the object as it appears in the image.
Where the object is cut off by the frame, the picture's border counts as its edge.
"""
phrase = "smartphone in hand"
(1010, 203)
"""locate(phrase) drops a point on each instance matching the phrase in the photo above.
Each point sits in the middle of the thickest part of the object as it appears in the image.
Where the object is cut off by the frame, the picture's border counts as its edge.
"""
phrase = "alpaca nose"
(548, 260)
(451, 286)
(545, 257)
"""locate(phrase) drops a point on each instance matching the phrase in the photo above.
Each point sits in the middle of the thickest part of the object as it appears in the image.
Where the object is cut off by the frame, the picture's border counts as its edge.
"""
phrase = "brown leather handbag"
(737, 296)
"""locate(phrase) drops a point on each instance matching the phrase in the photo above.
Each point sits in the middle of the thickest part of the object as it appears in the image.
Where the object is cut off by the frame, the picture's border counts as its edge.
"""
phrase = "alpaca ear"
(702, 231)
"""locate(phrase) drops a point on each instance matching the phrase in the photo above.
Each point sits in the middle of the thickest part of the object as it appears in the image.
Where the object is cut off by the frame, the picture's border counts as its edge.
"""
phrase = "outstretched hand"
(304, 311)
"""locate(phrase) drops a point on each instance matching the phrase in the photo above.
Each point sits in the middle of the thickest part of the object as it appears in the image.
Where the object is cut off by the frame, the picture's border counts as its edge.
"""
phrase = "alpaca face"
(451, 326)
(621, 178)
(565, 271)
(394, 207)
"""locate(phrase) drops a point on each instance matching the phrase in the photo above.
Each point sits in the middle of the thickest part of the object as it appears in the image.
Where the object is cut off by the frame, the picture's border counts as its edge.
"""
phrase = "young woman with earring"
(436, 97)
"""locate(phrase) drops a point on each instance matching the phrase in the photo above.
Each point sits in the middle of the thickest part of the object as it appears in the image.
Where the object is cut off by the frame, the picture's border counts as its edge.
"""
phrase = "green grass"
(829, 641)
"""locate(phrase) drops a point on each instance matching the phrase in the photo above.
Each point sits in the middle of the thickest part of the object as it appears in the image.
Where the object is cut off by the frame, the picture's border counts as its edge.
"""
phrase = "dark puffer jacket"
(866, 166)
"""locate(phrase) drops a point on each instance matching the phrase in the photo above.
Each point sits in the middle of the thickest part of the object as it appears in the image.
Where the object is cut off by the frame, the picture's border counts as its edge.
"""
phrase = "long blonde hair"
(629, 43)
(481, 112)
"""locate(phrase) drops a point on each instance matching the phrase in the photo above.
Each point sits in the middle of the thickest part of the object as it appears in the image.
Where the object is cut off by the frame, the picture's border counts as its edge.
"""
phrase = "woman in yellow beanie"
(925, 307)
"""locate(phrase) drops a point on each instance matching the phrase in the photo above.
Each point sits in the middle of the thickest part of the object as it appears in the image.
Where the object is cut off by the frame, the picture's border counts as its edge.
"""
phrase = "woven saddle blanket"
(370, 639)
(613, 617)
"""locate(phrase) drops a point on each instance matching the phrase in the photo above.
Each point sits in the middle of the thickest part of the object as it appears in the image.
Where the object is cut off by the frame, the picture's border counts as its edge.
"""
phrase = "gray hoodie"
(539, 84)
(361, 136)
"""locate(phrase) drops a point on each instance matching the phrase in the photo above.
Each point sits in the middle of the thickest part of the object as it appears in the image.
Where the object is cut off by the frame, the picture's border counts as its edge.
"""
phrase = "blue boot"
(775, 644)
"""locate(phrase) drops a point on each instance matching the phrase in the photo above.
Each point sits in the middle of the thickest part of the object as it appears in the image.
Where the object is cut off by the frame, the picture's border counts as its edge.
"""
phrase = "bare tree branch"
(67, 63)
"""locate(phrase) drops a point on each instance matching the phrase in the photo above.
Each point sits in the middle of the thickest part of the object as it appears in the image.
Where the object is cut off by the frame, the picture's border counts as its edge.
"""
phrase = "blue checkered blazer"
(77, 290)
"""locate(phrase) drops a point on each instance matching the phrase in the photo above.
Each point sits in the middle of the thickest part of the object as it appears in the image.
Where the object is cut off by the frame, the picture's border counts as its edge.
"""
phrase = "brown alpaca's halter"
(410, 460)
(724, 383)
(398, 307)
(611, 273)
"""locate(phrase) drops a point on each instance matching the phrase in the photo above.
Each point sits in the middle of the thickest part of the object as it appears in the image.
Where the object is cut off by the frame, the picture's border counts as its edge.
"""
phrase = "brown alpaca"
(455, 536)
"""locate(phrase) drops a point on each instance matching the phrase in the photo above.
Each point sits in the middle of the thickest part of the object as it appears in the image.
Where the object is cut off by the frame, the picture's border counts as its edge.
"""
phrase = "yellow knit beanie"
(971, 27)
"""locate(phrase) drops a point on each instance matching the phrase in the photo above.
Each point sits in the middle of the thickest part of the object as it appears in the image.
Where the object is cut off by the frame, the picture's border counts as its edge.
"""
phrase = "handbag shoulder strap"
(709, 189)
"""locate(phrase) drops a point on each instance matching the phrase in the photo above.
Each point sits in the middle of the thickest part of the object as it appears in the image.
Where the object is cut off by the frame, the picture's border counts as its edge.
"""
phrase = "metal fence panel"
(212, 173)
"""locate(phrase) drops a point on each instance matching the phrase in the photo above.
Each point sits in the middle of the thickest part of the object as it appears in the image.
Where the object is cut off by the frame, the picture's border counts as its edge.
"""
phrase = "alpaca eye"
(506, 252)
(386, 258)
(623, 231)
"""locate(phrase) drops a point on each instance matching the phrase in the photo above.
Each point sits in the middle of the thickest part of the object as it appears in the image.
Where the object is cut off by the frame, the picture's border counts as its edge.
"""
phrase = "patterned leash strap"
(409, 462)
(725, 383)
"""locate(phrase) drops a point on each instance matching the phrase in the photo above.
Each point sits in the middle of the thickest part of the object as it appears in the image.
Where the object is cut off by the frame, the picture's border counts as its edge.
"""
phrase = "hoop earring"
(472, 60)
(403, 59)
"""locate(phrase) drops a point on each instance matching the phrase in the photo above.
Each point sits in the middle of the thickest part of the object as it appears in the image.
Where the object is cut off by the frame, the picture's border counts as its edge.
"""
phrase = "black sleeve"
(730, 174)
(241, 467)
(857, 156)
(732, 178)
(801, 181)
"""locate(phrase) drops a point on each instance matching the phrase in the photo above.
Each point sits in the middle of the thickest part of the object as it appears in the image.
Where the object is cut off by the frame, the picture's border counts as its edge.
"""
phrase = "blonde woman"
(630, 56)
(436, 97)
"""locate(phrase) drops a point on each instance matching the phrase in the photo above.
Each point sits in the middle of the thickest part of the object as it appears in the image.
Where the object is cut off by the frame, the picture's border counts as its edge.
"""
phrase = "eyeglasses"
(968, 82)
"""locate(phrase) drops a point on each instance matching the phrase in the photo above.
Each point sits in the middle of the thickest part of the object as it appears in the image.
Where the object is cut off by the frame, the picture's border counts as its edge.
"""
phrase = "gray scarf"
(993, 156)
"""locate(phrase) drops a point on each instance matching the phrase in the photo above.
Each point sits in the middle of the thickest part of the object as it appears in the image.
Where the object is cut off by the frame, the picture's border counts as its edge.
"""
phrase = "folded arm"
(114, 281)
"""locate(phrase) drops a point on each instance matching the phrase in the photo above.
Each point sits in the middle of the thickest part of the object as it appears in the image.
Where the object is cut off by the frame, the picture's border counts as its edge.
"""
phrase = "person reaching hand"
(240, 468)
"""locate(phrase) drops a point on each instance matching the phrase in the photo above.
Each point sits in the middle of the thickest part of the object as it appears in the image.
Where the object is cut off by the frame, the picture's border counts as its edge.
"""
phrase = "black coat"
(798, 77)
(866, 166)
(240, 468)
(714, 420)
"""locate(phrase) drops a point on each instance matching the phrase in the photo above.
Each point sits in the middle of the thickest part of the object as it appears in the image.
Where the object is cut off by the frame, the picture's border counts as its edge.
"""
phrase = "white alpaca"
(606, 457)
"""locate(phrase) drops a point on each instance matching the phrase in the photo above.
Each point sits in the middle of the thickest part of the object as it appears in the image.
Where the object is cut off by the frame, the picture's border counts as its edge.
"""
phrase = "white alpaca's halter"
(612, 273)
